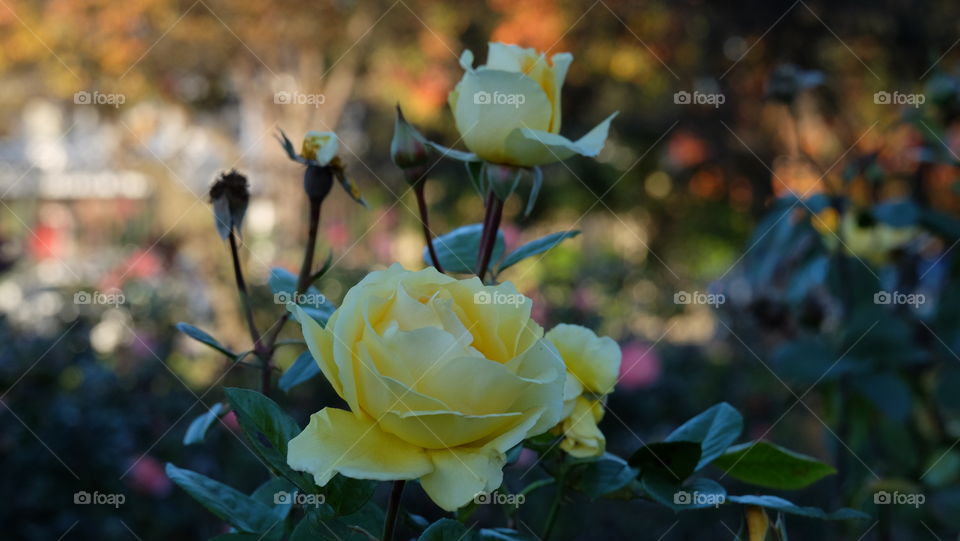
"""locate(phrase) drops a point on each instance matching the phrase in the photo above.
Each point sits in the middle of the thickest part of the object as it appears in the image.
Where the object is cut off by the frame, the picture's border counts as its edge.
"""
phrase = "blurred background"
(116, 117)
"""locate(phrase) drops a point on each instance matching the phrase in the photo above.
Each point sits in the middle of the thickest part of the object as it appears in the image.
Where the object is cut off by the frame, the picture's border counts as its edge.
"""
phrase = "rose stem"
(393, 509)
(258, 347)
(555, 506)
(422, 204)
(303, 281)
(488, 239)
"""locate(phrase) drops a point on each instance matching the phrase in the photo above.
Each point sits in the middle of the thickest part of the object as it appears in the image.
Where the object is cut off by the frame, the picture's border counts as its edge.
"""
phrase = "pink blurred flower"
(147, 477)
(230, 421)
(640, 367)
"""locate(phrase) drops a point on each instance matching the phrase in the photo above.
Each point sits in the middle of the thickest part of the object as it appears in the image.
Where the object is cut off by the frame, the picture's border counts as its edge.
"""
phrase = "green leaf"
(536, 247)
(675, 460)
(607, 473)
(457, 250)
(241, 511)
(283, 283)
(715, 429)
(318, 525)
(782, 505)
(302, 369)
(277, 494)
(477, 178)
(698, 494)
(268, 429)
(767, 465)
(199, 426)
(204, 338)
(445, 529)
(534, 191)
(347, 495)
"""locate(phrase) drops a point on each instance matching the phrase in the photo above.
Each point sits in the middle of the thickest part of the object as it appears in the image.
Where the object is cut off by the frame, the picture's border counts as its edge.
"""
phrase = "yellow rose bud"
(593, 364)
(440, 380)
(508, 111)
(320, 146)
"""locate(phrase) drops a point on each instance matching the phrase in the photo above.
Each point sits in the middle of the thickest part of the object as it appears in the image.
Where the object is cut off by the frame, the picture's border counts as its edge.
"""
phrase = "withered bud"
(230, 195)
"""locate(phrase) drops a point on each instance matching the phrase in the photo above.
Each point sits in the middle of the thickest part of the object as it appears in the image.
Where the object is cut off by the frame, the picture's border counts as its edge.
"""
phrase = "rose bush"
(440, 382)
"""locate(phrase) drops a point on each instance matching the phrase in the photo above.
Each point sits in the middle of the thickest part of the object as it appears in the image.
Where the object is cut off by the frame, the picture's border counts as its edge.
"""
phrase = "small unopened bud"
(230, 195)
(317, 181)
(408, 149)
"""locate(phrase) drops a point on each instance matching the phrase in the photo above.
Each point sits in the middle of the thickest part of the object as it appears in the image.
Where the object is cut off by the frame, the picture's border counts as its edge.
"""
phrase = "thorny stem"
(393, 509)
(428, 237)
(488, 239)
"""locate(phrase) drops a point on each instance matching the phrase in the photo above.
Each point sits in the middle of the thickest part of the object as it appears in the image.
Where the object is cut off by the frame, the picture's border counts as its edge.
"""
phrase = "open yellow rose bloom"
(508, 110)
(440, 381)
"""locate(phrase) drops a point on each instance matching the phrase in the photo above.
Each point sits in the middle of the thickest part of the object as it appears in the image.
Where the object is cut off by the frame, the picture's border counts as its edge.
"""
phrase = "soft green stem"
(555, 506)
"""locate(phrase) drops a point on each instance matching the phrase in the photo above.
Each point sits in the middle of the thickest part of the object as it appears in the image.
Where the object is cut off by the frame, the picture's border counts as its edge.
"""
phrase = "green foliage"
(204, 338)
(535, 247)
(715, 429)
(241, 511)
(197, 430)
(303, 369)
(764, 464)
(457, 250)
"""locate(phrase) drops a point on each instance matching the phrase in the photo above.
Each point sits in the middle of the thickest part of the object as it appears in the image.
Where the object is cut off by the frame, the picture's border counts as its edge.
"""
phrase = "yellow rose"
(320, 146)
(508, 111)
(440, 381)
(872, 242)
(593, 364)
